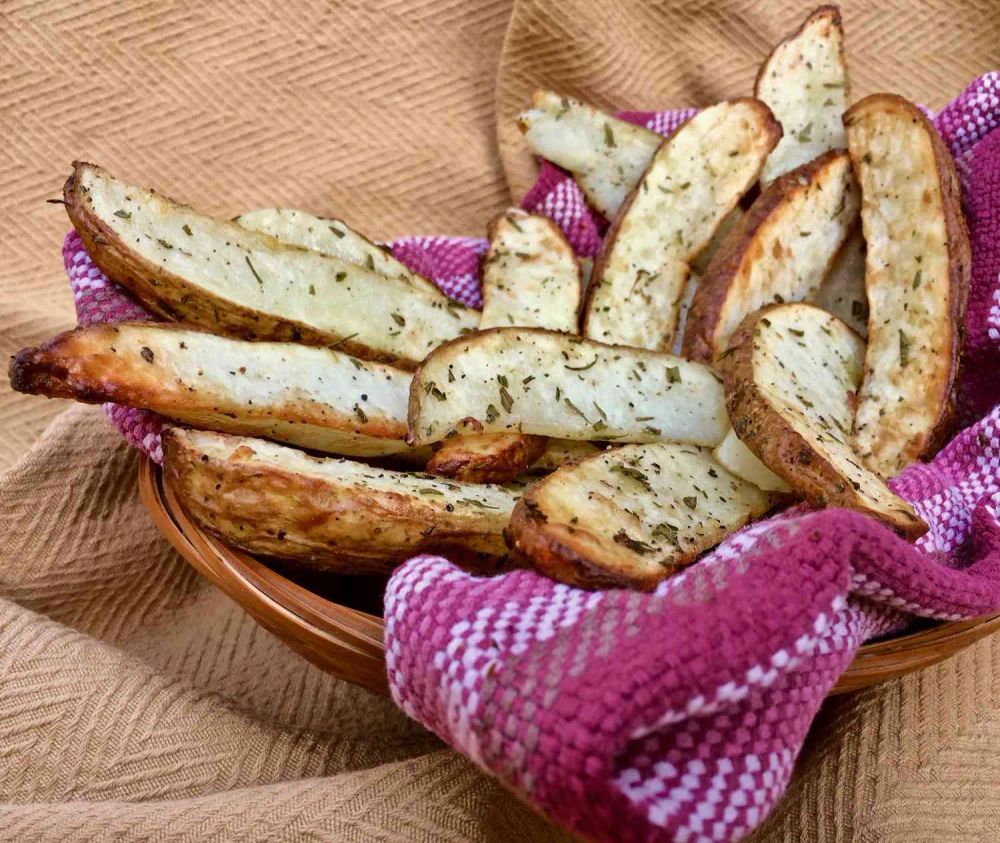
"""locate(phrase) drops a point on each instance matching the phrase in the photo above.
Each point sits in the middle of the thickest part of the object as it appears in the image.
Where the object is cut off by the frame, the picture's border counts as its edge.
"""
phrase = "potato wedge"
(246, 284)
(632, 516)
(917, 280)
(552, 384)
(331, 237)
(738, 459)
(780, 251)
(790, 373)
(487, 458)
(332, 514)
(531, 278)
(605, 155)
(316, 398)
(692, 184)
(842, 292)
(804, 81)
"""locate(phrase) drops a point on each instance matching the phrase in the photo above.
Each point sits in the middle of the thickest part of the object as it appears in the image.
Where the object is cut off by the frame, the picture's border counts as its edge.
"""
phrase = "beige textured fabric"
(136, 702)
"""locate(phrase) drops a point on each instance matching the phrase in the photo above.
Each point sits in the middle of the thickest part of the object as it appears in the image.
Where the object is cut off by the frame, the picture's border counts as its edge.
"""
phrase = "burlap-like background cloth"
(136, 701)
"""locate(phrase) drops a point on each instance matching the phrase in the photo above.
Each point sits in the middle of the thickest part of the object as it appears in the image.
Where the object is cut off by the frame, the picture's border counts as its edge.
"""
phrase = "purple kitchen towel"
(678, 715)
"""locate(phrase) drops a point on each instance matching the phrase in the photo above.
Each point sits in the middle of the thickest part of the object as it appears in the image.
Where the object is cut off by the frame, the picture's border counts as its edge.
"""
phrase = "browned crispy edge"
(306, 504)
(63, 367)
(827, 11)
(714, 287)
(175, 298)
(959, 258)
(499, 466)
(766, 432)
(549, 548)
(555, 230)
(771, 126)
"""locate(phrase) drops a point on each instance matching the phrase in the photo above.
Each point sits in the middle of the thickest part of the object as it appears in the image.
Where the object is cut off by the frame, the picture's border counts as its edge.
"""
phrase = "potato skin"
(173, 298)
(959, 254)
(499, 458)
(715, 287)
(558, 554)
(768, 435)
(286, 515)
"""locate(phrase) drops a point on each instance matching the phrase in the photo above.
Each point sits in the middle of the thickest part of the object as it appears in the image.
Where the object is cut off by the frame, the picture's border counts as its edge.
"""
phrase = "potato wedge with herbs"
(790, 375)
(917, 280)
(558, 452)
(316, 398)
(334, 238)
(780, 251)
(332, 514)
(551, 384)
(804, 81)
(692, 184)
(531, 278)
(842, 292)
(632, 516)
(738, 459)
(605, 155)
(192, 268)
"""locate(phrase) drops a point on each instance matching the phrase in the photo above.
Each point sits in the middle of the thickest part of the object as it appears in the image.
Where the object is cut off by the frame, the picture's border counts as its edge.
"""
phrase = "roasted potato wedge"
(558, 452)
(790, 373)
(486, 458)
(692, 184)
(804, 81)
(917, 280)
(738, 459)
(331, 237)
(332, 514)
(632, 516)
(531, 278)
(605, 155)
(780, 251)
(316, 398)
(842, 292)
(191, 268)
(551, 384)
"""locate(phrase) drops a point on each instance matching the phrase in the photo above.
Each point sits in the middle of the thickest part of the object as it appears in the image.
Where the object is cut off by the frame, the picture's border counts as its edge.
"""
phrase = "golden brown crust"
(283, 513)
(772, 438)
(959, 254)
(716, 285)
(490, 458)
(556, 552)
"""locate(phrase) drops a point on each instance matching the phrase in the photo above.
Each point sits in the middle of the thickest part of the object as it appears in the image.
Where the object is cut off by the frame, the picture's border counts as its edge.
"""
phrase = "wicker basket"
(347, 642)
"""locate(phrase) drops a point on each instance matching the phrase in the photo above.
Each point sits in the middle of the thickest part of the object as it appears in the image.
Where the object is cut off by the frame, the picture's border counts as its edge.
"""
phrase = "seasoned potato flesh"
(606, 155)
(214, 273)
(692, 184)
(531, 278)
(790, 377)
(804, 81)
(738, 459)
(631, 516)
(843, 290)
(552, 384)
(313, 397)
(917, 280)
(334, 238)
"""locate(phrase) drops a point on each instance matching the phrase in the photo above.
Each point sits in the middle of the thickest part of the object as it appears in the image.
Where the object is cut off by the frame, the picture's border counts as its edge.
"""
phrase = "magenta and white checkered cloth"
(678, 715)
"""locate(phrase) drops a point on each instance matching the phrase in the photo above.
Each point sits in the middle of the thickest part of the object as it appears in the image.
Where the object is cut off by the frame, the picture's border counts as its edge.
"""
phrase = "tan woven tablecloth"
(136, 702)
